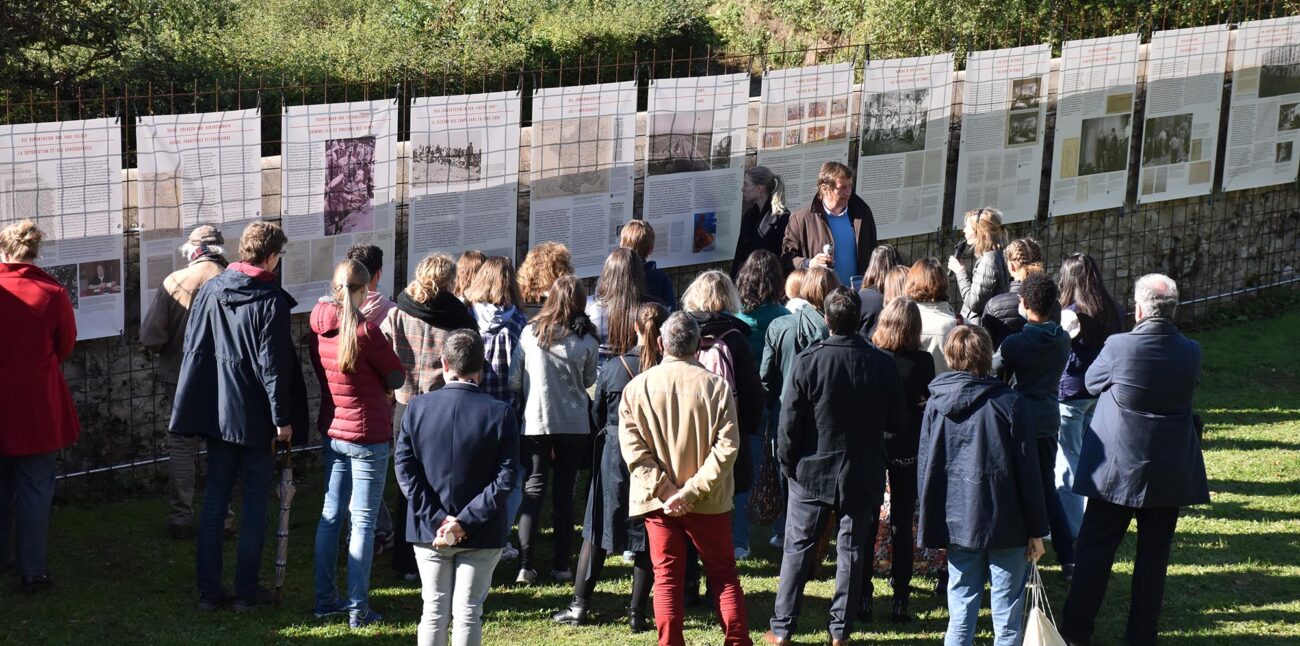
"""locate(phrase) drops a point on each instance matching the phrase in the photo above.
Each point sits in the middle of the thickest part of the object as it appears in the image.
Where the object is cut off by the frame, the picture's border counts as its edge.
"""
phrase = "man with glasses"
(837, 230)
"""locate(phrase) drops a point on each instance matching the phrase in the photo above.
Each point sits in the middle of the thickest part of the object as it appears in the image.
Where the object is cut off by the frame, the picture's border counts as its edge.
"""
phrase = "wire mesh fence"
(1219, 247)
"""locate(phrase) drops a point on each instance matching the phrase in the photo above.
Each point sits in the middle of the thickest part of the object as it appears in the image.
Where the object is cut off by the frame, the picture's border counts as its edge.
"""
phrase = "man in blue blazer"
(1141, 457)
(456, 455)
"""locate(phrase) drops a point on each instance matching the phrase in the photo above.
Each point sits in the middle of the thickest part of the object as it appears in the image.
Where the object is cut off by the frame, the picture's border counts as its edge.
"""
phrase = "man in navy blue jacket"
(456, 455)
(239, 389)
(1141, 457)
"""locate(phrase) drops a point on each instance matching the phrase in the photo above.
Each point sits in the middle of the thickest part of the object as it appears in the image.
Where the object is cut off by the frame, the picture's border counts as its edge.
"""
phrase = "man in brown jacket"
(837, 230)
(163, 333)
(679, 437)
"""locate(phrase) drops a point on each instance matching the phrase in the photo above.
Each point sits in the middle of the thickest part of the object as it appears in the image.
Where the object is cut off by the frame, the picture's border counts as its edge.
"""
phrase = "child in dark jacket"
(1034, 358)
(980, 491)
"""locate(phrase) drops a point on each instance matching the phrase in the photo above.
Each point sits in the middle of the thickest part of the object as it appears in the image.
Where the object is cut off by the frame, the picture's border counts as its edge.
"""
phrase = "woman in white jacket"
(927, 284)
(554, 366)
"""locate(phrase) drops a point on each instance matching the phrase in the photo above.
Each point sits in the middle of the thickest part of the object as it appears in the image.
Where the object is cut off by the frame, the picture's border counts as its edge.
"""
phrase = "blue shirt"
(846, 246)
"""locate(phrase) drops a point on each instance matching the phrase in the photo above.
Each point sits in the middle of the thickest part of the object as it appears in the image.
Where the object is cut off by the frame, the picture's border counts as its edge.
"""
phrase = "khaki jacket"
(163, 329)
(677, 424)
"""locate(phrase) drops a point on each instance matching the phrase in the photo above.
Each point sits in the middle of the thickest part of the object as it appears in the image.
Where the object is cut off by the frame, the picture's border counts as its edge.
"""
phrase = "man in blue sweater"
(1034, 358)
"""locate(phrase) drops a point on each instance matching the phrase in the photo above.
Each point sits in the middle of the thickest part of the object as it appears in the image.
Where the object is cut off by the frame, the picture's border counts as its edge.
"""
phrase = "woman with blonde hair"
(357, 370)
(466, 268)
(543, 265)
(898, 334)
(986, 235)
(40, 331)
(927, 285)
(425, 313)
(765, 216)
(713, 301)
(553, 366)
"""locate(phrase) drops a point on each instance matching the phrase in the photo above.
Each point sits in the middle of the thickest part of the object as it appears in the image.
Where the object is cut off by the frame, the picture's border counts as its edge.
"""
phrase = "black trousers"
(1103, 528)
(543, 453)
(902, 506)
(1057, 523)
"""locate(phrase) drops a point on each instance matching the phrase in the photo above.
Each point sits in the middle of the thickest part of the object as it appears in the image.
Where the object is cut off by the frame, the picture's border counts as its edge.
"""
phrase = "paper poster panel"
(1180, 131)
(805, 121)
(66, 177)
(193, 169)
(463, 175)
(903, 144)
(1003, 120)
(338, 188)
(1264, 120)
(583, 152)
(695, 167)
(1094, 124)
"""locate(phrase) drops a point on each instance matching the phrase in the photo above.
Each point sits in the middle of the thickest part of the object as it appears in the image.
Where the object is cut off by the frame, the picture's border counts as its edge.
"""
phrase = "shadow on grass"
(1252, 488)
(1247, 417)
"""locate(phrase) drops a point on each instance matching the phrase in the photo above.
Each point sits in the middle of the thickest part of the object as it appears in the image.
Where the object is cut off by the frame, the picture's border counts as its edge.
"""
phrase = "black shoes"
(899, 614)
(34, 584)
(259, 599)
(209, 602)
(574, 615)
(865, 609)
(1067, 571)
(637, 621)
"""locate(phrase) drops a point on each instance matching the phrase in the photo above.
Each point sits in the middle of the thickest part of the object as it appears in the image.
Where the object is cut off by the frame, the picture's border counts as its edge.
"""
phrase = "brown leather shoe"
(770, 638)
(840, 642)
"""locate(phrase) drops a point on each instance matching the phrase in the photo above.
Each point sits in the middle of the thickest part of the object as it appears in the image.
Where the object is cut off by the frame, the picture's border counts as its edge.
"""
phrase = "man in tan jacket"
(678, 434)
(163, 333)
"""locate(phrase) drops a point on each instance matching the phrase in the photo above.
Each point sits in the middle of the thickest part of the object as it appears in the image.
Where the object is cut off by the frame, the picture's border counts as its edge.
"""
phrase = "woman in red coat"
(37, 324)
(358, 371)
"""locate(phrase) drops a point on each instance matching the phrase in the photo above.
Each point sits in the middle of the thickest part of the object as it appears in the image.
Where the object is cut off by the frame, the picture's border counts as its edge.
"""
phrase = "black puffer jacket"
(1002, 315)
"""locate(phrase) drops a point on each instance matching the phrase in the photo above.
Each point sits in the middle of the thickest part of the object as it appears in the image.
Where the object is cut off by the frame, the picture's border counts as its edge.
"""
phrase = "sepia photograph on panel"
(894, 122)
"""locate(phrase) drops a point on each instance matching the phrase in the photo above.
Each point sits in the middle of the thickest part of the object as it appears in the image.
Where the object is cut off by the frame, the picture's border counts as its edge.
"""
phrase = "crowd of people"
(823, 377)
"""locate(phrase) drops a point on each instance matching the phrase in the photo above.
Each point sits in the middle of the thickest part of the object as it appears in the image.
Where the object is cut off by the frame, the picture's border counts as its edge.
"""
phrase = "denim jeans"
(1076, 415)
(740, 514)
(515, 499)
(455, 584)
(1007, 571)
(355, 475)
(255, 466)
(26, 492)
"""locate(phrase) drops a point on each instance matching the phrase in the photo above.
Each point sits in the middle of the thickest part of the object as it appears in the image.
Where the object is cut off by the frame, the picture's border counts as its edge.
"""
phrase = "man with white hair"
(678, 434)
(163, 333)
(1141, 458)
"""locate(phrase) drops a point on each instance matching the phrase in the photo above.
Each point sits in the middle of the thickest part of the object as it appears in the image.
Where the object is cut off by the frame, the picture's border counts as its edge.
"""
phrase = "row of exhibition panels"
(342, 173)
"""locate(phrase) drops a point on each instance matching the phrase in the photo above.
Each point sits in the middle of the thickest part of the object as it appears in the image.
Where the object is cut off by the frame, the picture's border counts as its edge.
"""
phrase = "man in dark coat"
(837, 230)
(1141, 457)
(237, 387)
(456, 458)
(843, 399)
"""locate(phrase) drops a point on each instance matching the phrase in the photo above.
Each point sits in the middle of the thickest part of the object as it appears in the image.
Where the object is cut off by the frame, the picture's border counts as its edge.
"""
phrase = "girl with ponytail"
(357, 370)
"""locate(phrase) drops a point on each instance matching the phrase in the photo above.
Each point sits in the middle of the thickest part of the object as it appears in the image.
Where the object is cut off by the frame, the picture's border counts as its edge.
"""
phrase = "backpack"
(716, 357)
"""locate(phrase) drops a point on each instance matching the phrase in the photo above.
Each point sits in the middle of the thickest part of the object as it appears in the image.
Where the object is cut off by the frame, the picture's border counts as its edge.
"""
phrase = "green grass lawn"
(1234, 576)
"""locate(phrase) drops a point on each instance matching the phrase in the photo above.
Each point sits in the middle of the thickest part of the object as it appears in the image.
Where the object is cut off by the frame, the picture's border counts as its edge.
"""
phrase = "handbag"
(1040, 625)
(767, 495)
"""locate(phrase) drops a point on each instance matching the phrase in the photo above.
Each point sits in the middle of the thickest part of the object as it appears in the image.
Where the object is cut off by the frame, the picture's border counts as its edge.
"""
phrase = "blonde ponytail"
(350, 279)
(777, 190)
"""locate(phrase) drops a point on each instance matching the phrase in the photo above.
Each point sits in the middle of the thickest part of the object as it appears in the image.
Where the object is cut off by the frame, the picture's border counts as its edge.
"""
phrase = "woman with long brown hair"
(620, 291)
(607, 528)
(884, 258)
(553, 367)
(927, 285)
(898, 333)
(466, 268)
(358, 371)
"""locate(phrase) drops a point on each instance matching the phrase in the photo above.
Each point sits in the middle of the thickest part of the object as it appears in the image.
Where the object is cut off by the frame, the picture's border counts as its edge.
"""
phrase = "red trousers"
(711, 534)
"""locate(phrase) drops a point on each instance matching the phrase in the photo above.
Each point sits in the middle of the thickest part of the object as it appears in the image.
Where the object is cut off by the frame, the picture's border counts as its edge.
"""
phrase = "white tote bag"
(1040, 625)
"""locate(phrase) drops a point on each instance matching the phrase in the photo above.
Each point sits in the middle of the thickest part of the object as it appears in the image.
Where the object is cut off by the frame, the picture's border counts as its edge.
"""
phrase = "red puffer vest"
(354, 406)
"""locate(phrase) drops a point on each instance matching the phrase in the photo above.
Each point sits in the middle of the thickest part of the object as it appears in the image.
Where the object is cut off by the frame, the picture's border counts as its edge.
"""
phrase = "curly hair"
(759, 281)
(21, 241)
(543, 265)
(435, 274)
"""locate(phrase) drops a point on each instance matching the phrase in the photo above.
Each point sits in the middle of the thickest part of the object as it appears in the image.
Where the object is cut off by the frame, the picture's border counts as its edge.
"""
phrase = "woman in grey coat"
(990, 277)
(553, 368)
